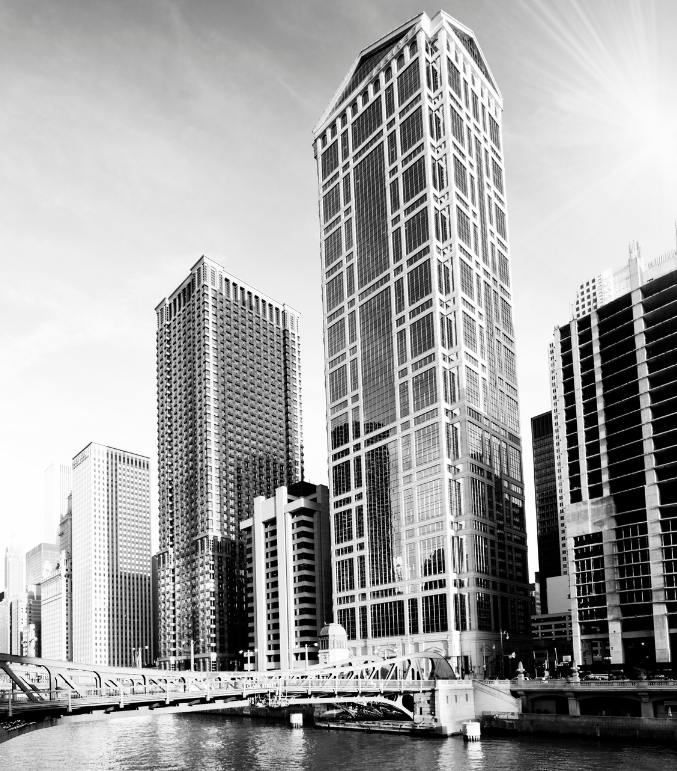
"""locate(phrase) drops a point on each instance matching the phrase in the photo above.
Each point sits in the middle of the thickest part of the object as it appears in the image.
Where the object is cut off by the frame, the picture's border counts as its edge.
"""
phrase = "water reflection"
(215, 743)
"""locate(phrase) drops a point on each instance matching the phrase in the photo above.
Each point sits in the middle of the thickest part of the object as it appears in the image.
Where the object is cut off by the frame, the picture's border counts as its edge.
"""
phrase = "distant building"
(41, 561)
(550, 526)
(24, 622)
(58, 486)
(57, 599)
(15, 569)
(111, 556)
(288, 575)
(614, 381)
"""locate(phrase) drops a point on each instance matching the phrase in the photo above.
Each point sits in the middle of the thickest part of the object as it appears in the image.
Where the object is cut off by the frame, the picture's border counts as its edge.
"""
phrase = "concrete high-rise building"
(288, 542)
(57, 598)
(614, 405)
(424, 444)
(15, 569)
(550, 526)
(41, 561)
(111, 556)
(24, 622)
(57, 489)
(229, 430)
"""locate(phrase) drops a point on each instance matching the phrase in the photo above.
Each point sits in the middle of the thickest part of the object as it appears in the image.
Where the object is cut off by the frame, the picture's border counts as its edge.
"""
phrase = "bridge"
(619, 698)
(421, 687)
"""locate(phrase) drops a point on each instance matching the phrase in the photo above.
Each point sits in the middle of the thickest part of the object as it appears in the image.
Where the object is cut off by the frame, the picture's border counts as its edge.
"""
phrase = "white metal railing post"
(70, 708)
(207, 690)
(122, 697)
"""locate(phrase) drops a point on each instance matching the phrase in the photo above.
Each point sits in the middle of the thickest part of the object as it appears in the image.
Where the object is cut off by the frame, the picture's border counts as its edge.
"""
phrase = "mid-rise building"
(24, 622)
(615, 376)
(57, 489)
(549, 523)
(111, 556)
(422, 401)
(57, 598)
(4, 624)
(229, 430)
(288, 546)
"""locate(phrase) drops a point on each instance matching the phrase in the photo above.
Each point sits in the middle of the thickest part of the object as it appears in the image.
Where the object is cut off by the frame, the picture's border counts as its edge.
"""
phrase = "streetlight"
(248, 654)
(507, 637)
(484, 648)
(305, 647)
(136, 652)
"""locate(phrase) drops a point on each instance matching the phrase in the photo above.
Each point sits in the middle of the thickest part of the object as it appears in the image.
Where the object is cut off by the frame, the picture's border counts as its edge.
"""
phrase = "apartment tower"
(429, 542)
(229, 430)
(111, 556)
(614, 414)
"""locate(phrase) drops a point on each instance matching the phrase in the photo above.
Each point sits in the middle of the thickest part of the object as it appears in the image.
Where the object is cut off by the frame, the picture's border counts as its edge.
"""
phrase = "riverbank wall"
(601, 726)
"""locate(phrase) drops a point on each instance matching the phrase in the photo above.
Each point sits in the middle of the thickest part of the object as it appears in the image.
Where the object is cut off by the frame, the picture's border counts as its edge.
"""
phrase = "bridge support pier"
(574, 705)
(647, 706)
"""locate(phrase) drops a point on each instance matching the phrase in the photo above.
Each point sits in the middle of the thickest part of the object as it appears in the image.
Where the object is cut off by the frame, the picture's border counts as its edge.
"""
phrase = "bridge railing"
(558, 685)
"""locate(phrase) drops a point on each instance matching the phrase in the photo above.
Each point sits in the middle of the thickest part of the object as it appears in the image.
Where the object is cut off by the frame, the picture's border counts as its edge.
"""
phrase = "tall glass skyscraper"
(429, 542)
(229, 430)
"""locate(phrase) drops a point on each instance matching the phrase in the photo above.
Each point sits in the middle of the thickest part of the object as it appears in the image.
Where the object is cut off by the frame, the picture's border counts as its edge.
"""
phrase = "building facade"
(289, 589)
(111, 556)
(424, 449)
(58, 486)
(15, 569)
(229, 430)
(57, 598)
(549, 523)
(40, 561)
(615, 374)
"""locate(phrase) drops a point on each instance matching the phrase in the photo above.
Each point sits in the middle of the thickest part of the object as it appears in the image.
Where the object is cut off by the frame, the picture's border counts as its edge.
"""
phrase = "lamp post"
(192, 651)
(138, 655)
(248, 654)
(484, 657)
(507, 637)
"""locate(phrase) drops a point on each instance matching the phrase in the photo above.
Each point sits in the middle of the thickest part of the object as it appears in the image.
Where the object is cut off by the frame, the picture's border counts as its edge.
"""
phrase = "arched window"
(400, 61)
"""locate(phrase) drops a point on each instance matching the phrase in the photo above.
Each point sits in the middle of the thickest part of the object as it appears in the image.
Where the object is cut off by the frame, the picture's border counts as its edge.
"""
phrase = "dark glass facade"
(428, 414)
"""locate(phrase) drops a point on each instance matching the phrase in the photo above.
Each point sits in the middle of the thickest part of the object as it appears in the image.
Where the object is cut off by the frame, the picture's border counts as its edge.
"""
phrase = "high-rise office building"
(229, 430)
(614, 407)
(111, 556)
(15, 569)
(41, 560)
(4, 624)
(57, 489)
(550, 526)
(24, 622)
(288, 541)
(424, 445)
(57, 598)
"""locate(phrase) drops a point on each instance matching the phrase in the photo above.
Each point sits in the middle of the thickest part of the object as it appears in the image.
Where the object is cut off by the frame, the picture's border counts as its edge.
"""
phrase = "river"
(215, 743)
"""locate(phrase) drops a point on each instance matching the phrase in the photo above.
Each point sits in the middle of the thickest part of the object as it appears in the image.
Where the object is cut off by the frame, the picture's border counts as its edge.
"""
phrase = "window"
(416, 230)
(435, 613)
(494, 133)
(330, 160)
(413, 180)
(457, 126)
(419, 282)
(429, 500)
(367, 122)
(463, 222)
(345, 575)
(336, 338)
(343, 526)
(331, 203)
(472, 387)
(338, 384)
(427, 444)
(500, 222)
(460, 176)
(411, 130)
(335, 294)
(498, 175)
(332, 247)
(408, 82)
(387, 619)
(503, 269)
(394, 195)
(424, 388)
(422, 335)
(454, 77)
(404, 399)
(469, 332)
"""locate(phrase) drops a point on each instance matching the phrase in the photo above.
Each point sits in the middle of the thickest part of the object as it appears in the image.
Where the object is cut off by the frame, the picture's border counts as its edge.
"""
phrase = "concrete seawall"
(628, 728)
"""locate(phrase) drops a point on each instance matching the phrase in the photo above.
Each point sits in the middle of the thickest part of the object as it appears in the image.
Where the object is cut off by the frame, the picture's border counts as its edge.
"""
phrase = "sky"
(137, 136)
